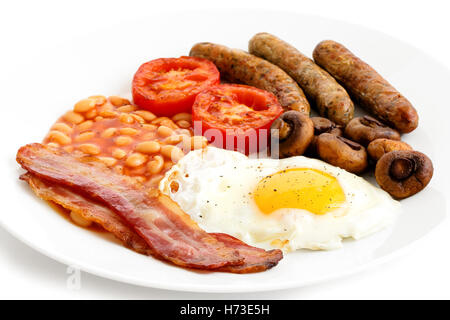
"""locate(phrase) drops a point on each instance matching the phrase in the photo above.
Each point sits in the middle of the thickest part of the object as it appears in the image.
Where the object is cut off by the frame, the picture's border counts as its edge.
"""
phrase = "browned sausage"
(366, 86)
(239, 66)
(330, 98)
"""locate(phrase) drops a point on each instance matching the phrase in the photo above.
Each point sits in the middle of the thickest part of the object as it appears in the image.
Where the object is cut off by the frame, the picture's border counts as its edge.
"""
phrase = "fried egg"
(293, 203)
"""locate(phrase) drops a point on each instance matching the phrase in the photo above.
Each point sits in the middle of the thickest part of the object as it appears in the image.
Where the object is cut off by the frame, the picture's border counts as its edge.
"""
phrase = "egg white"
(215, 188)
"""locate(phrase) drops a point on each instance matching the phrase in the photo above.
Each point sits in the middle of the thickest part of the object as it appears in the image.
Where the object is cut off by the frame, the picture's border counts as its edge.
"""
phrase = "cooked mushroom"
(342, 152)
(378, 147)
(294, 131)
(322, 125)
(366, 129)
(403, 173)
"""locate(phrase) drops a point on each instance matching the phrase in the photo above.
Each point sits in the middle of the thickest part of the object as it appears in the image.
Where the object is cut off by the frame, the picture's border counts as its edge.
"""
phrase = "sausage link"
(366, 86)
(330, 98)
(239, 66)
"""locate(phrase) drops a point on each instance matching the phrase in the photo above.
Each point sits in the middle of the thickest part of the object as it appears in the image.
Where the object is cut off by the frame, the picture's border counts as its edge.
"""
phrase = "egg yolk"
(299, 188)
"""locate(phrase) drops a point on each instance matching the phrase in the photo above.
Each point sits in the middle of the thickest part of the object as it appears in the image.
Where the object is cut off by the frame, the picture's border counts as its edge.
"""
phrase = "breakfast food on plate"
(84, 212)
(322, 125)
(294, 132)
(168, 231)
(341, 152)
(378, 147)
(236, 117)
(366, 129)
(168, 86)
(366, 86)
(239, 66)
(403, 173)
(328, 96)
(291, 203)
(144, 171)
(129, 140)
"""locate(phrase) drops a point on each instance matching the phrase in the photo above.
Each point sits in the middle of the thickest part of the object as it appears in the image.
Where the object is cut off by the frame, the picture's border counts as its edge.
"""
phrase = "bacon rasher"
(168, 231)
(89, 209)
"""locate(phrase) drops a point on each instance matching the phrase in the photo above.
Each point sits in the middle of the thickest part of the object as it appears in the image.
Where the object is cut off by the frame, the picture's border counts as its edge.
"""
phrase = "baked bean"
(198, 142)
(84, 105)
(89, 148)
(146, 115)
(138, 118)
(127, 108)
(159, 120)
(60, 126)
(118, 101)
(149, 127)
(85, 125)
(108, 114)
(126, 118)
(118, 153)
(168, 123)
(108, 133)
(128, 131)
(183, 124)
(73, 117)
(59, 137)
(137, 171)
(107, 107)
(172, 152)
(99, 100)
(185, 132)
(84, 136)
(164, 131)
(136, 160)
(91, 114)
(79, 220)
(98, 118)
(123, 140)
(155, 166)
(148, 147)
(173, 139)
(182, 116)
(108, 161)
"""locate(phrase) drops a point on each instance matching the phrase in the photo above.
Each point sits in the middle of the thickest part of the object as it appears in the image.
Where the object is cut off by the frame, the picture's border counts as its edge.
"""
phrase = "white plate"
(104, 61)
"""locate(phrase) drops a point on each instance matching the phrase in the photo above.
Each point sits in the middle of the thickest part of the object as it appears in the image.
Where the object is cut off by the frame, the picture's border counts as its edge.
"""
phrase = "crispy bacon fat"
(168, 232)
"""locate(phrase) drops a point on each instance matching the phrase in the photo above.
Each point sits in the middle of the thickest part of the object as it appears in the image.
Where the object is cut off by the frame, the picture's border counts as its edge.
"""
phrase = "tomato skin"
(236, 117)
(168, 86)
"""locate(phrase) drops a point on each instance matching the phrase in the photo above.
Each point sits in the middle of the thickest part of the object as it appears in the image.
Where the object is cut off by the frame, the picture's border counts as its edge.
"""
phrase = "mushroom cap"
(378, 147)
(342, 152)
(294, 131)
(322, 125)
(403, 173)
(366, 129)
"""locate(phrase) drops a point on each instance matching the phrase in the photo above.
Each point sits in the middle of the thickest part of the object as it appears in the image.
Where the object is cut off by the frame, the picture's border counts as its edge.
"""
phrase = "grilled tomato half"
(235, 117)
(168, 86)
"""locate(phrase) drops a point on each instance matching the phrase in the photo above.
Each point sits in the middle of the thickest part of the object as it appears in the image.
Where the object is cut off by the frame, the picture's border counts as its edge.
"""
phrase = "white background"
(422, 273)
